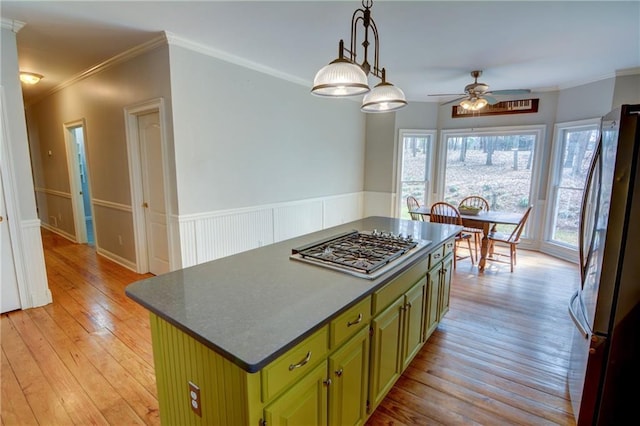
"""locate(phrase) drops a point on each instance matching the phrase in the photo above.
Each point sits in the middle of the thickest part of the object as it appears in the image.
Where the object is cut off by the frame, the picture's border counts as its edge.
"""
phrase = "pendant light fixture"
(346, 77)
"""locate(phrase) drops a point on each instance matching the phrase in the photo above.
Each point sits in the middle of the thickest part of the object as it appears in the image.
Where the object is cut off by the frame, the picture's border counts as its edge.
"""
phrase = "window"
(574, 146)
(497, 164)
(414, 166)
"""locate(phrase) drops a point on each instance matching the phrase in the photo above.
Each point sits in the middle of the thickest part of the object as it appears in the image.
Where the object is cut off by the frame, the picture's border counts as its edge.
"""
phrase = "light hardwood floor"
(499, 357)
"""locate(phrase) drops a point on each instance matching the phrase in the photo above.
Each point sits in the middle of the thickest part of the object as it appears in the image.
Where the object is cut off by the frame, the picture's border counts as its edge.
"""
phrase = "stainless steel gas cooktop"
(363, 254)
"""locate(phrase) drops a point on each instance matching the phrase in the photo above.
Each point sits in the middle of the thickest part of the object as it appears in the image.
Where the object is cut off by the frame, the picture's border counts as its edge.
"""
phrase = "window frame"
(547, 245)
(400, 204)
(531, 235)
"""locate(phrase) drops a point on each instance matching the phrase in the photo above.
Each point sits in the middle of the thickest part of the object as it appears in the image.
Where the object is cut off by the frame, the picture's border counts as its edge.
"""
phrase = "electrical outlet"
(194, 398)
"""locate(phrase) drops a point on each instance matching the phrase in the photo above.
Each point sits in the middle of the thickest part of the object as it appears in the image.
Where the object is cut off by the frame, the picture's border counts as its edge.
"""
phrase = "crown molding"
(135, 51)
(174, 40)
(12, 24)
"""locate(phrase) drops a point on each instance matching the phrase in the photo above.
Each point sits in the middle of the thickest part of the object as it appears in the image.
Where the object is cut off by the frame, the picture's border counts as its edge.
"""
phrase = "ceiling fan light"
(480, 103)
(340, 78)
(466, 104)
(30, 78)
(384, 97)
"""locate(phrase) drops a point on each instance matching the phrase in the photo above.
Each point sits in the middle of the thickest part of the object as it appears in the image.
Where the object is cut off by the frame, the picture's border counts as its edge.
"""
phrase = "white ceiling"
(426, 47)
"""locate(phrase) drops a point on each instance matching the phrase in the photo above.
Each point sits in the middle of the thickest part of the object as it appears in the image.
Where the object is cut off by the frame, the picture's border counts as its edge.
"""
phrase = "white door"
(9, 296)
(153, 192)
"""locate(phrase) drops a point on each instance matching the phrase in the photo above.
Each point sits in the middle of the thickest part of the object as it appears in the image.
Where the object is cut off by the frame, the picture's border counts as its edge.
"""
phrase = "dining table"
(484, 220)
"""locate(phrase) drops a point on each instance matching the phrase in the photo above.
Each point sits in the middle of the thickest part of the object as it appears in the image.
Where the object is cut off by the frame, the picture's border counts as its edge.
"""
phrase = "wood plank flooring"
(499, 357)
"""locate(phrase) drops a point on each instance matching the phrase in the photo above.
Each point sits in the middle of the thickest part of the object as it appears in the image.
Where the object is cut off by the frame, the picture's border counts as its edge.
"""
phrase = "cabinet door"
(445, 286)
(433, 301)
(385, 352)
(305, 403)
(349, 374)
(412, 323)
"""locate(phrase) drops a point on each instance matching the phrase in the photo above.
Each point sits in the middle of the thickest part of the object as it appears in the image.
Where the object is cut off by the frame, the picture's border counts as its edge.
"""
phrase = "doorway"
(79, 182)
(147, 167)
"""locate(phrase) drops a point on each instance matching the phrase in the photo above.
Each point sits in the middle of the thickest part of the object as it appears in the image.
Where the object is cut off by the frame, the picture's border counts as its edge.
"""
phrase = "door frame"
(131, 114)
(11, 206)
(75, 185)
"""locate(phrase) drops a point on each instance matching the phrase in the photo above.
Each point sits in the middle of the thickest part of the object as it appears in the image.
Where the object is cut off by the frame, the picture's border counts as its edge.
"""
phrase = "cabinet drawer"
(436, 256)
(349, 322)
(294, 364)
(448, 246)
(390, 292)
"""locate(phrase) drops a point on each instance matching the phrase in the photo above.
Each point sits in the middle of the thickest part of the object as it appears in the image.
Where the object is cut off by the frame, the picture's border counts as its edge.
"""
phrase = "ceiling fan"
(477, 95)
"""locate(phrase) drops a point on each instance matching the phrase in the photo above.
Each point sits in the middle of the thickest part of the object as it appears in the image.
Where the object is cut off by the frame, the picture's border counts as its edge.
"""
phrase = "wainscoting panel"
(342, 209)
(293, 220)
(208, 236)
(228, 234)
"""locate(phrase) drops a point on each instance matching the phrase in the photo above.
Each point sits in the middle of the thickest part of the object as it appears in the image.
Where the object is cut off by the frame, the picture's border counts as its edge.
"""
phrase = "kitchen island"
(259, 337)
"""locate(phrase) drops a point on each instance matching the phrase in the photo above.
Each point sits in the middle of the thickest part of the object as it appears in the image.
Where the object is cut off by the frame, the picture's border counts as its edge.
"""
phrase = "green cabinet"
(305, 403)
(445, 286)
(413, 322)
(349, 375)
(385, 352)
(431, 314)
(397, 337)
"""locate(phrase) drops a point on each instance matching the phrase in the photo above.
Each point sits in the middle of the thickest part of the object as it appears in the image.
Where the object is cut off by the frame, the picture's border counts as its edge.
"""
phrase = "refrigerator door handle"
(584, 259)
(574, 316)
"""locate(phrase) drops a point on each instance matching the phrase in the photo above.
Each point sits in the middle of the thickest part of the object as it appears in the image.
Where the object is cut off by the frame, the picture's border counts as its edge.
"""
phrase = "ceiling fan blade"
(510, 92)
(490, 99)
(448, 94)
(453, 101)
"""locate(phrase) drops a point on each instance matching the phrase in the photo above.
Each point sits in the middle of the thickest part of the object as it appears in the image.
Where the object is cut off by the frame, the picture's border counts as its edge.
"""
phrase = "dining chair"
(481, 203)
(510, 240)
(442, 212)
(412, 204)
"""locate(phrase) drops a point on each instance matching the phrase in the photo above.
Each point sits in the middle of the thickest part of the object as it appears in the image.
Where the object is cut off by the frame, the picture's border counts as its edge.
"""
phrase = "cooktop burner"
(365, 254)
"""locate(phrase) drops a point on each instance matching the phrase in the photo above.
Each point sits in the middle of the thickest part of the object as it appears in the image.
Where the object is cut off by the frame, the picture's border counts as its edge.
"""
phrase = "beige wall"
(100, 100)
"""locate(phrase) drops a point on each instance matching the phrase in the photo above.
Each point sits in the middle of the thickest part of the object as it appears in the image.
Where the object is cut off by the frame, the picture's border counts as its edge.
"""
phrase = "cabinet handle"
(301, 363)
(408, 305)
(339, 372)
(327, 382)
(357, 321)
(437, 256)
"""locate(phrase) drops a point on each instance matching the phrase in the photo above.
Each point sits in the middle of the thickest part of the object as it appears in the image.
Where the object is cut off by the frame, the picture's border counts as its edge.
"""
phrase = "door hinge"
(368, 406)
(370, 331)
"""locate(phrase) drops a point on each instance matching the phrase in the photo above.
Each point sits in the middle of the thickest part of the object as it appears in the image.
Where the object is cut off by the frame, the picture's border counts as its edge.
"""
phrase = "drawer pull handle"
(301, 363)
(437, 256)
(357, 321)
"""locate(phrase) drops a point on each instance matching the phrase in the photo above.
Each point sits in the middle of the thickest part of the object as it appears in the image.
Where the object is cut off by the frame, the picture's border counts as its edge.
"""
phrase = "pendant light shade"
(384, 97)
(340, 78)
(347, 77)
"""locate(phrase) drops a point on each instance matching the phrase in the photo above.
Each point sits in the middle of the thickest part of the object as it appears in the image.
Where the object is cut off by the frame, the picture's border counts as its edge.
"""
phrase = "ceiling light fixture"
(474, 104)
(30, 77)
(345, 77)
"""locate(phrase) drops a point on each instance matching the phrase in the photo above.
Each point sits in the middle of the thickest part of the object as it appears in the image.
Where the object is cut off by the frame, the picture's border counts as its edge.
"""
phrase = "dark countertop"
(253, 306)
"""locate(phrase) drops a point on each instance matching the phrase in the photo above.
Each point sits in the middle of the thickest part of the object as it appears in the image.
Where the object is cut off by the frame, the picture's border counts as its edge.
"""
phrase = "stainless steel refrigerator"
(604, 366)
